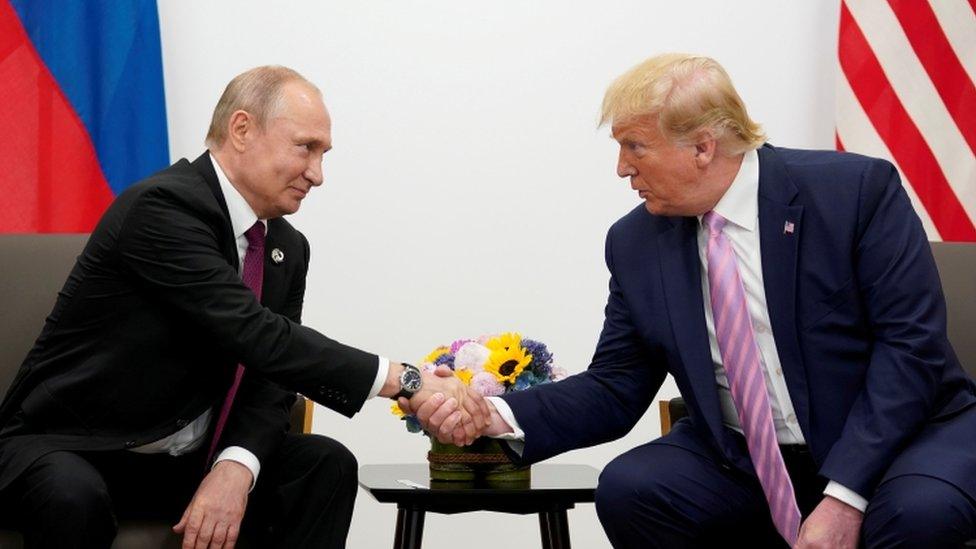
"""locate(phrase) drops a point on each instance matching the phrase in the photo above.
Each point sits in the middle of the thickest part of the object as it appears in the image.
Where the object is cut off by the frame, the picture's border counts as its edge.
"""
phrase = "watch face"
(411, 380)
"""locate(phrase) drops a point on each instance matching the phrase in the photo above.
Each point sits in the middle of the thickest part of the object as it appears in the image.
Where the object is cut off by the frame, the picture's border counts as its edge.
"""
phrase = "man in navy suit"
(843, 314)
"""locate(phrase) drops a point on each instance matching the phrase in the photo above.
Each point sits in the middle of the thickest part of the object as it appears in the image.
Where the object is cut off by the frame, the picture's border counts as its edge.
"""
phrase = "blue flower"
(446, 358)
(413, 425)
(541, 357)
(525, 380)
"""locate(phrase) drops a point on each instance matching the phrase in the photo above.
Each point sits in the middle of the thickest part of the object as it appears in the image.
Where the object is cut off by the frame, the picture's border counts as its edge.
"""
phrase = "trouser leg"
(658, 495)
(60, 501)
(918, 511)
(305, 494)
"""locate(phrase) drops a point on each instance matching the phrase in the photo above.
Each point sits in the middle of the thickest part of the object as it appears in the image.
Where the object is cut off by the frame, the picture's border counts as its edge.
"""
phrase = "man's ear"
(705, 149)
(238, 129)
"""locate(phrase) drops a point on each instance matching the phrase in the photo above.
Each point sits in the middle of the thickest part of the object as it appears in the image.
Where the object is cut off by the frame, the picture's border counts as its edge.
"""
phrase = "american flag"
(905, 92)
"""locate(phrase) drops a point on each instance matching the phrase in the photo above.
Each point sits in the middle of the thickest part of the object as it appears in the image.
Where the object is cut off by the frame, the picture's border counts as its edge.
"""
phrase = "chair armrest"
(301, 415)
(671, 411)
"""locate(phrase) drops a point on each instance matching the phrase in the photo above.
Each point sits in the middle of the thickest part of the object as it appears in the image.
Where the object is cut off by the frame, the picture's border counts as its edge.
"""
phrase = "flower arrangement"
(492, 365)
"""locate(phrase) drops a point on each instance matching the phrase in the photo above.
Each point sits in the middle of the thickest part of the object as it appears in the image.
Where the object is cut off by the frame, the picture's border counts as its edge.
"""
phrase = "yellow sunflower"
(435, 354)
(505, 341)
(396, 410)
(464, 375)
(507, 363)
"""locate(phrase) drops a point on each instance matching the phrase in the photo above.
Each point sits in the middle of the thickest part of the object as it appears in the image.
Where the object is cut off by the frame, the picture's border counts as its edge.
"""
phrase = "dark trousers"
(662, 495)
(303, 498)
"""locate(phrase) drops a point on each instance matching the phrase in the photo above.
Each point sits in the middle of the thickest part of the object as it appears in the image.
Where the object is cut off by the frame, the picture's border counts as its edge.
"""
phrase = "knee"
(66, 489)
(624, 488)
(331, 459)
(918, 511)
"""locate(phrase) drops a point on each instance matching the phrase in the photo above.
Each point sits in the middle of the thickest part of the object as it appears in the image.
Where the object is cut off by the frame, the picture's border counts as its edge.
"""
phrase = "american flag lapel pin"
(788, 227)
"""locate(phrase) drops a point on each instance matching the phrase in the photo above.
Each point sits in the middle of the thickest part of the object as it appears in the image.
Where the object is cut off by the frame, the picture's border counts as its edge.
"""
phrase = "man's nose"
(624, 168)
(314, 171)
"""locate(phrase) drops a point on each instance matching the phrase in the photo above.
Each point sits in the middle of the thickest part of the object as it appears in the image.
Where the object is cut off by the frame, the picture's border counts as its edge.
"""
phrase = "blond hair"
(257, 91)
(689, 95)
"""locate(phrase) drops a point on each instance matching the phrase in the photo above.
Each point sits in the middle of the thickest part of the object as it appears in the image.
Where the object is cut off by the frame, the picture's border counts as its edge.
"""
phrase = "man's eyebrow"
(317, 141)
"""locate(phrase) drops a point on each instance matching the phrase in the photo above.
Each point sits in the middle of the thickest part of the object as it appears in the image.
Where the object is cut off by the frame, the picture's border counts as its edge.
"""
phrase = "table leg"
(409, 528)
(554, 527)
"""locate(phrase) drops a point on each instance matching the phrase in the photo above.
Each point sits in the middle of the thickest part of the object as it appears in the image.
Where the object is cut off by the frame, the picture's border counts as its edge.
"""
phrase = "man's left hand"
(213, 518)
(833, 524)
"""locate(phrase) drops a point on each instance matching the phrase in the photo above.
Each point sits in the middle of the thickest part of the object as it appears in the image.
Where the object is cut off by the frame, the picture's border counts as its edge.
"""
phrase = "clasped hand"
(447, 409)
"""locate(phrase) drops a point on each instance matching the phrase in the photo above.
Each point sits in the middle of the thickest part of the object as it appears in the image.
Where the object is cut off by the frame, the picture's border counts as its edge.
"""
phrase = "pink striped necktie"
(252, 274)
(740, 355)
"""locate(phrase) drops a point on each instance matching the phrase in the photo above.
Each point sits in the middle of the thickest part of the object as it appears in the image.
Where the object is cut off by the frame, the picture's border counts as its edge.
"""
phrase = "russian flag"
(82, 110)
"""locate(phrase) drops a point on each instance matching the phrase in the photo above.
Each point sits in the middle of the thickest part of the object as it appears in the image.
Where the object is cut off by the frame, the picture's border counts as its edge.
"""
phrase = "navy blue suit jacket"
(857, 313)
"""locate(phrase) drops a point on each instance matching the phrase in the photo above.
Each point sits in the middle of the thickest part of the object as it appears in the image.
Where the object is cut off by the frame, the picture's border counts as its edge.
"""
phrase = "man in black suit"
(123, 408)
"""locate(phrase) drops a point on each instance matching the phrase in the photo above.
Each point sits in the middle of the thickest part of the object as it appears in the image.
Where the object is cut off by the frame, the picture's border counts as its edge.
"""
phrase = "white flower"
(471, 356)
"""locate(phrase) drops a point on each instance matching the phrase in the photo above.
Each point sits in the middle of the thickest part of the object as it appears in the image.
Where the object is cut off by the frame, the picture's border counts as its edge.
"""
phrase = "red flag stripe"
(899, 133)
(51, 181)
(857, 134)
(940, 62)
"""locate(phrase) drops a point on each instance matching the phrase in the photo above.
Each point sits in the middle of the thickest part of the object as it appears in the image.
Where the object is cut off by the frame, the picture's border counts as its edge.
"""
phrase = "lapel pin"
(788, 227)
(277, 255)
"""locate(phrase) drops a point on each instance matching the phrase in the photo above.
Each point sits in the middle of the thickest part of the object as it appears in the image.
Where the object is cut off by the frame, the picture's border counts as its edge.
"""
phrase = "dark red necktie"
(253, 275)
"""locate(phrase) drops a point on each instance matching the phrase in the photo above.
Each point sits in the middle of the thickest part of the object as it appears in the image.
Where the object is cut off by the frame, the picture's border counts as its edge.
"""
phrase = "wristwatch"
(410, 381)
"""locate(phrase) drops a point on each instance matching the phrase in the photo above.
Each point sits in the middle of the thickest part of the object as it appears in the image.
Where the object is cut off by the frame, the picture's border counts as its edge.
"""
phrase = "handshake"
(446, 408)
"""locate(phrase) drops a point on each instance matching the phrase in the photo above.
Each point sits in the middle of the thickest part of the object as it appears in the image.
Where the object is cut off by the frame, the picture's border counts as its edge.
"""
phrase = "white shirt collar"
(740, 203)
(242, 217)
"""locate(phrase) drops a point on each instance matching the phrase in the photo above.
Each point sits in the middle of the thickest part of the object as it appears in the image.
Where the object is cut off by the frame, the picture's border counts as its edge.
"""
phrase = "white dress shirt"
(191, 437)
(740, 206)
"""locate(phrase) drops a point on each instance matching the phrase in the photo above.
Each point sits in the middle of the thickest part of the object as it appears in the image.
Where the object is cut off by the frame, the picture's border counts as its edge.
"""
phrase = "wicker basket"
(483, 461)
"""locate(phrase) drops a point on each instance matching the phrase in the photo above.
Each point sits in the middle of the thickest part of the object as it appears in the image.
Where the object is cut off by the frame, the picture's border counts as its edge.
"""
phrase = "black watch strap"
(410, 381)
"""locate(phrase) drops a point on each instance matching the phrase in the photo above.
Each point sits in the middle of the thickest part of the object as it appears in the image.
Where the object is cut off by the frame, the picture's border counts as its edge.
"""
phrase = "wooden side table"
(553, 490)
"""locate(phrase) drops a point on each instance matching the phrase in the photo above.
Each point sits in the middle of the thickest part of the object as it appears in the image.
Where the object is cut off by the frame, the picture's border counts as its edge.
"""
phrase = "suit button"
(181, 423)
(130, 444)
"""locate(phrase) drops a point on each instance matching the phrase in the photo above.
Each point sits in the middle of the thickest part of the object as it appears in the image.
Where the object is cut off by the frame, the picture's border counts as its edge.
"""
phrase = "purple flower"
(458, 344)
(541, 357)
(446, 358)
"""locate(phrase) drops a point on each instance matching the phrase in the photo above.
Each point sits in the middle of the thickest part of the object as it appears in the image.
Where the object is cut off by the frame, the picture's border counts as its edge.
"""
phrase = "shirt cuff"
(846, 495)
(516, 439)
(244, 457)
(505, 411)
(381, 373)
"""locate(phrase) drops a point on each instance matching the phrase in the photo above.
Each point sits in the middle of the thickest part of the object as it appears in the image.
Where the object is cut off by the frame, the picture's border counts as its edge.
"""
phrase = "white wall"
(469, 191)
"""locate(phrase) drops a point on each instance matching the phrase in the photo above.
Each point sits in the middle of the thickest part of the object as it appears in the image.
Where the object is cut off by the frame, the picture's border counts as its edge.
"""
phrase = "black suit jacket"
(151, 323)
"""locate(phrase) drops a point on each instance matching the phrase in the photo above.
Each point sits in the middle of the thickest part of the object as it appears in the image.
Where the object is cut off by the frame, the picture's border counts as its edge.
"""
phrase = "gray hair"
(257, 91)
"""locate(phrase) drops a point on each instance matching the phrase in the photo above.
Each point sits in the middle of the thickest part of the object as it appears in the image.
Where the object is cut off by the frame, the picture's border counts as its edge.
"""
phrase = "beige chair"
(34, 269)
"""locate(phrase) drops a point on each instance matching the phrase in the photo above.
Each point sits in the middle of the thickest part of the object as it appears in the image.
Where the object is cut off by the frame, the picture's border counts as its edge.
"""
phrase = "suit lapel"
(273, 287)
(681, 276)
(780, 229)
